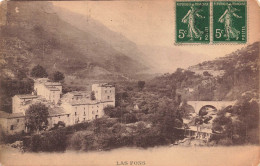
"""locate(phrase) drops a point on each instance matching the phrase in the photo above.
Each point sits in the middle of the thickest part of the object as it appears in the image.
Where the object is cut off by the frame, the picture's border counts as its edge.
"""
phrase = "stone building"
(104, 92)
(56, 115)
(51, 91)
(22, 102)
(82, 108)
(198, 133)
(72, 108)
(12, 123)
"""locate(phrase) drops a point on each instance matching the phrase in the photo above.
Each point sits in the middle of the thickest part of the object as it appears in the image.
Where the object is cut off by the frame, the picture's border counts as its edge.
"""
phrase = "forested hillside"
(32, 33)
(225, 78)
(35, 34)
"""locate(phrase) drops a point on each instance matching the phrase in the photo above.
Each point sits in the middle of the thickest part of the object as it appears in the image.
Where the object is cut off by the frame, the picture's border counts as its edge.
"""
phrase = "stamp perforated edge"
(246, 23)
(175, 30)
(211, 25)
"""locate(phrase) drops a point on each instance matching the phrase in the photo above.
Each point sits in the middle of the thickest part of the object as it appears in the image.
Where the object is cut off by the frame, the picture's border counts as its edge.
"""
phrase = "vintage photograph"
(129, 82)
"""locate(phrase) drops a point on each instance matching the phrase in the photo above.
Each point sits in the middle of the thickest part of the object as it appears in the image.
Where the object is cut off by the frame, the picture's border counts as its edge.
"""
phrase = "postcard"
(129, 83)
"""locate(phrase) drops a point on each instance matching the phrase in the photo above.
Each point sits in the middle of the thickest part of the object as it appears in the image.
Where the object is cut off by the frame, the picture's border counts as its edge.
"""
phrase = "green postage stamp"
(211, 22)
(229, 21)
(192, 22)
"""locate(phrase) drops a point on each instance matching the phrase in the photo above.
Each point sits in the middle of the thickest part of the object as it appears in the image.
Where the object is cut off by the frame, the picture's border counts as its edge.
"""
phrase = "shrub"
(57, 76)
(47, 142)
(129, 118)
(38, 72)
(76, 141)
(225, 142)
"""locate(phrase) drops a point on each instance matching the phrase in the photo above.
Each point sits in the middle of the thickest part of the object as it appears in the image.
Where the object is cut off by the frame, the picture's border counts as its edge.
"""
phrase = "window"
(12, 127)
(97, 110)
(110, 91)
(108, 97)
(68, 115)
(75, 113)
(84, 113)
(84, 119)
(17, 120)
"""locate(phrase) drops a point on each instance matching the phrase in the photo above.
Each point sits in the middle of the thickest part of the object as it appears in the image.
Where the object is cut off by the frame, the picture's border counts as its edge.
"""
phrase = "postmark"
(192, 22)
(229, 21)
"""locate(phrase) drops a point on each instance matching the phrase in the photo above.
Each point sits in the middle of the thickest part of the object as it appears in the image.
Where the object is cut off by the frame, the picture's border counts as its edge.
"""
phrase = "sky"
(153, 23)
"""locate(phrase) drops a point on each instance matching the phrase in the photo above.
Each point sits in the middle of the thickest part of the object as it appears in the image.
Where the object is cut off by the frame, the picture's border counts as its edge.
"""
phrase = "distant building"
(104, 92)
(22, 102)
(56, 115)
(51, 91)
(82, 108)
(198, 133)
(12, 123)
(72, 108)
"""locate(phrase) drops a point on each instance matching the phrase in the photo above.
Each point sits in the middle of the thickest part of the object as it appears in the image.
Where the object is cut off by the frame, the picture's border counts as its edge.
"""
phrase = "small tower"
(104, 92)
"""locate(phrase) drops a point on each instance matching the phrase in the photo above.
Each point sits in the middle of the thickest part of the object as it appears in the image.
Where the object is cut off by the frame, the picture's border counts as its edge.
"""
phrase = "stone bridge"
(198, 105)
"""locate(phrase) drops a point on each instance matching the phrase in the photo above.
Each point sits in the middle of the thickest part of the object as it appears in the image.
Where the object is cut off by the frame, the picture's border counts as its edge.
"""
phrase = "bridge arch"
(217, 105)
(204, 109)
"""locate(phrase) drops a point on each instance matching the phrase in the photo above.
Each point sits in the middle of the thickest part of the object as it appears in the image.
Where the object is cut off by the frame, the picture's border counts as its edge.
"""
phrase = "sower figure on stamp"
(227, 18)
(190, 19)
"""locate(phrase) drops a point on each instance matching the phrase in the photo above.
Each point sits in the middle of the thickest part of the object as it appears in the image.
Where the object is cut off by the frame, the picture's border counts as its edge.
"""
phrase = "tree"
(39, 72)
(21, 74)
(206, 73)
(129, 118)
(37, 117)
(10, 87)
(57, 76)
(141, 84)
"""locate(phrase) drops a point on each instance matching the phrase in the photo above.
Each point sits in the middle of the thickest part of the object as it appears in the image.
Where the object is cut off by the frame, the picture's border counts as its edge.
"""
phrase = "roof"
(9, 116)
(53, 89)
(26, 96)
(84, 101)
(78, 98)
(56, 111)
(46, 82)
(41, 80)
(104, 85)
(52, 83)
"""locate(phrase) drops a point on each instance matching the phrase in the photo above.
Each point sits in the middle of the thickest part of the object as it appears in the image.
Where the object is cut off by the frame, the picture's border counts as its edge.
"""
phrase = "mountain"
(116, 40)
(225, 78)
(240, 72)
(158, 59)
(35, 34)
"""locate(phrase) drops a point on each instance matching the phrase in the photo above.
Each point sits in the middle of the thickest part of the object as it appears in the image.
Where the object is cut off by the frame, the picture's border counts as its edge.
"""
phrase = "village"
(68, 109)
(75, 107)
(71, 108)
